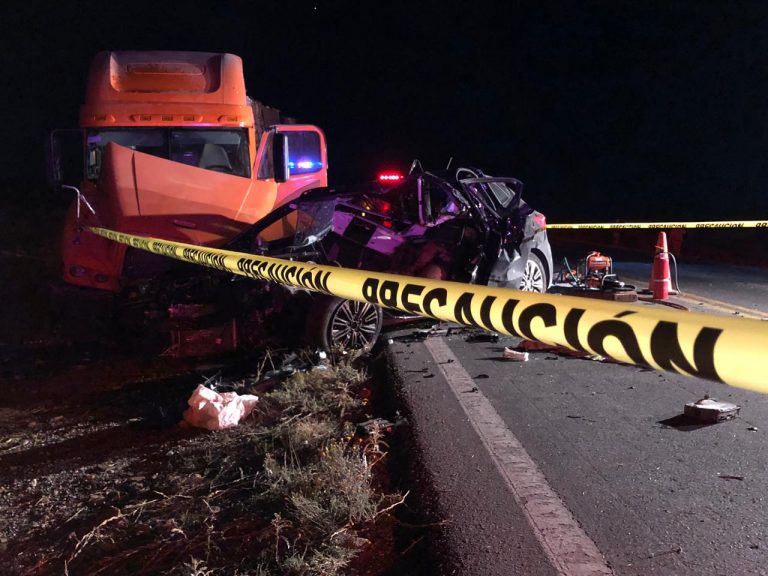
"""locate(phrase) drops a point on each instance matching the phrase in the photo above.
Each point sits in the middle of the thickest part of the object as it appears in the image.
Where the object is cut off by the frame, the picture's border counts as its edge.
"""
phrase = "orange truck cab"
(171, 146)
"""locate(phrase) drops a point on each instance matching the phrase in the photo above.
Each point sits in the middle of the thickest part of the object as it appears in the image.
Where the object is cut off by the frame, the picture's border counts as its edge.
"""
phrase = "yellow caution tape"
(661, 225)
(729, 350)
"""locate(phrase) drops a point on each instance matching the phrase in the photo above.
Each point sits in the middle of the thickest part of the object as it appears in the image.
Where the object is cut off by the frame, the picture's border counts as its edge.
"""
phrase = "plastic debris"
(369, 426)
(709, 411)
(214, 411)
(514, 355)
(433, 331)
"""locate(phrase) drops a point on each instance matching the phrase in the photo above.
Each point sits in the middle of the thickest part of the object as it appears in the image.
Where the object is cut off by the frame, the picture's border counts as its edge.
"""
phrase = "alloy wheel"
(355, 325)
(533, 277)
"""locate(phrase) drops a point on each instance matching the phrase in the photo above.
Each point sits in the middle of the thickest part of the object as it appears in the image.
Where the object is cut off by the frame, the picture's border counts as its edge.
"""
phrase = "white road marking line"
(724, 306)
(567, 546)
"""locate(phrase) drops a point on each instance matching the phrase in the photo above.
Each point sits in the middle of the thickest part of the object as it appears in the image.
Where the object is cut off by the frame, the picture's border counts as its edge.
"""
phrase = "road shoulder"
(485, 530)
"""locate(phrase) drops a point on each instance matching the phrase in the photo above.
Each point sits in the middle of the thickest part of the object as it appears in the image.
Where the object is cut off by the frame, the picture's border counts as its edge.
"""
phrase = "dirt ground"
(99, 442)
(80, 444)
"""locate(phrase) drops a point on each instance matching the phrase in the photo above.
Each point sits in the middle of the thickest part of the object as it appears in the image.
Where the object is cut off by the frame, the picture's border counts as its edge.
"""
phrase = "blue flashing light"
(304, 165)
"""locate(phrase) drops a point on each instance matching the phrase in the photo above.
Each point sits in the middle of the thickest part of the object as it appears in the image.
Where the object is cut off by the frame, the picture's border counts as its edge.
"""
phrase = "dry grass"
(285, 493)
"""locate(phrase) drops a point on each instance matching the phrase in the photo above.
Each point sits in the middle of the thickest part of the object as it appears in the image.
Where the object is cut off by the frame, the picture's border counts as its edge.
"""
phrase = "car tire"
(535, 275)
(336, 322)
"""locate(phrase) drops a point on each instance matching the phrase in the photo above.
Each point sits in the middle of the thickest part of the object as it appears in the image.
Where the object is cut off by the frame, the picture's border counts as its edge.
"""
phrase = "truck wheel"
(335, 322)
(535, 276)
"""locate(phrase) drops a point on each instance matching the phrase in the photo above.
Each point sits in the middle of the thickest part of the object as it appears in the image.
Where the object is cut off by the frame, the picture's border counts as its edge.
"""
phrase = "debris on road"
(483, 336)
(710, 411)
(514, 355)
(431, 331)
(214, 411)
(675, 550)
(730, 477)
(531, 346)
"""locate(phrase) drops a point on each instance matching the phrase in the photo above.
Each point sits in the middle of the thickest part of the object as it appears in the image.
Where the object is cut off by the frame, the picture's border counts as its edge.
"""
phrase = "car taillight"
(541, 220)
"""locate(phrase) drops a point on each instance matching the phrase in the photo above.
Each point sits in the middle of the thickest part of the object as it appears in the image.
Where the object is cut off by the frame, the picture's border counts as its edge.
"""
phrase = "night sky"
(605, 109)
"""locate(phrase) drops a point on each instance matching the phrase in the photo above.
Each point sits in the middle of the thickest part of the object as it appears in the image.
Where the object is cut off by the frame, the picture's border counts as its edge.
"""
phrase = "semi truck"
(170, 145)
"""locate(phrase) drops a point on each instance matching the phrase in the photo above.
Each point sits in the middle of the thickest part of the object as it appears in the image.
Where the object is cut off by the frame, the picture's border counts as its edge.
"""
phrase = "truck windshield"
(220, 150)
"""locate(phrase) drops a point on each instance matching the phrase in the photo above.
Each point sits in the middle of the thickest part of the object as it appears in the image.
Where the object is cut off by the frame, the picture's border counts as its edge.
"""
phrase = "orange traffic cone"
(661, 278)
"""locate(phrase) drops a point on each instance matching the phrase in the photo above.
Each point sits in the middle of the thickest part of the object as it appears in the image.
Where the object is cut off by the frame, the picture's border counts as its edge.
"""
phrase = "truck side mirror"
(280, 157)
(54, 172)
(64, 157)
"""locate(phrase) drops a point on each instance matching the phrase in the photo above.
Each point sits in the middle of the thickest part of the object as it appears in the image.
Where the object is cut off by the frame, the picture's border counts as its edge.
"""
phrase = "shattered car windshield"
(314, 221)
(306, 224)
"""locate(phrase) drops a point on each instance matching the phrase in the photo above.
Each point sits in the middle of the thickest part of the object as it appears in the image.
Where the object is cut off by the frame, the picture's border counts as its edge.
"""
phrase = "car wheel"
(335, 322)
(535, 275)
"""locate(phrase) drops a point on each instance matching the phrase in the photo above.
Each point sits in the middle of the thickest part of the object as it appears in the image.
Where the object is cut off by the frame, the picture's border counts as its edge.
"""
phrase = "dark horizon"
(605, 110)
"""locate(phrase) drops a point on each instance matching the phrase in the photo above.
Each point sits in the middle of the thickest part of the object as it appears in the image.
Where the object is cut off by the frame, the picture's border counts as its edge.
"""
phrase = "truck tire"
(335, 322)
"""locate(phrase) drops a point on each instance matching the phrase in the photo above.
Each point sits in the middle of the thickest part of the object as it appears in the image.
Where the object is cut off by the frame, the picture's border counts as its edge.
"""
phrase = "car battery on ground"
(710, 411)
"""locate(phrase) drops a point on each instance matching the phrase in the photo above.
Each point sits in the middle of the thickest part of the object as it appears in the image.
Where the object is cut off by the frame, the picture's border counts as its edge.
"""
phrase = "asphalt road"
(738, 285)
(654, 497)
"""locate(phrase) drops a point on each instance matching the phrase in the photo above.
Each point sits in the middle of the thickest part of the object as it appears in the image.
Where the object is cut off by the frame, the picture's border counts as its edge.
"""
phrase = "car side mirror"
(280, 157)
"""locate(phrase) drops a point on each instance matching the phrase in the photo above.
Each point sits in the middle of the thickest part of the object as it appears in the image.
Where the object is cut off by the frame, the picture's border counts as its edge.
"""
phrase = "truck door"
(304, 166)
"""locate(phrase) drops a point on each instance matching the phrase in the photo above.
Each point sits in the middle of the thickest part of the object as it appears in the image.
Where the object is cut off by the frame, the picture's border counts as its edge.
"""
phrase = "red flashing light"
(390, 177)
(387, 223)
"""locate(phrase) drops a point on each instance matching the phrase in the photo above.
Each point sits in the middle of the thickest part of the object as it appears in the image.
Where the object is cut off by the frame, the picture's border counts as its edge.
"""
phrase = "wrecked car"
(465, 227)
